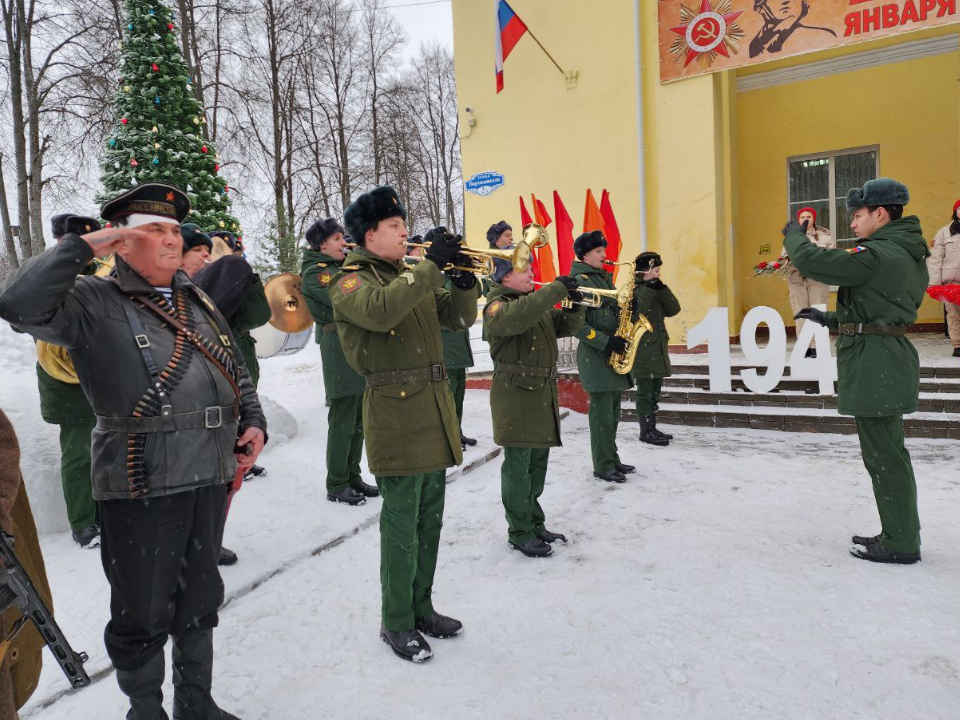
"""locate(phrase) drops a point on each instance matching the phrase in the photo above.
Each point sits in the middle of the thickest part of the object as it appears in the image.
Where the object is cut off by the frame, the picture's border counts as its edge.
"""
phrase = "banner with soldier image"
(704, 36)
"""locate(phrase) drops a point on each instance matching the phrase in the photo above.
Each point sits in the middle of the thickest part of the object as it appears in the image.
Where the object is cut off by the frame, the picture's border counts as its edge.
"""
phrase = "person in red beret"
(805, 292)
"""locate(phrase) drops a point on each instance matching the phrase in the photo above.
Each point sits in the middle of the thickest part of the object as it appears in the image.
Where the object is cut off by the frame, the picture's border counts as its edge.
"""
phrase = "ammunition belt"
(854, 329)
(167, 421)
(529, 370)
(434, 373)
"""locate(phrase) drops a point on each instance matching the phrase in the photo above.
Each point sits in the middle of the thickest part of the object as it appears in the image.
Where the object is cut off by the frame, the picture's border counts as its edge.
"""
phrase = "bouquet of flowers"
(945, 293)
(778, 267)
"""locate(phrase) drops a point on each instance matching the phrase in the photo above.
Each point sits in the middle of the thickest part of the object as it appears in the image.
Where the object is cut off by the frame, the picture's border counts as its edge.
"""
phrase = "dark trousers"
(458, 386)
(160, 557)
(344, 442)
(75, 473)
(894, 486)
(410, 523)
(522, 477)
(648, 395)
(604, 419)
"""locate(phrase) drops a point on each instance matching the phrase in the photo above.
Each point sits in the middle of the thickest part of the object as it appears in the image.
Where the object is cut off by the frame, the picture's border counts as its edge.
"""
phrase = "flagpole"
(545, 51)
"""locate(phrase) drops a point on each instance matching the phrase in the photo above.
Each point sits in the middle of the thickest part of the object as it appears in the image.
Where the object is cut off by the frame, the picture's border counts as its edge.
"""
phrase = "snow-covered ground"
(715, 584)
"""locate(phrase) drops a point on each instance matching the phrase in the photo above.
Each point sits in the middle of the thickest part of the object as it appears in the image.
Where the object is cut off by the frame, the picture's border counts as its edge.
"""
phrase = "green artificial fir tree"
(159, 131)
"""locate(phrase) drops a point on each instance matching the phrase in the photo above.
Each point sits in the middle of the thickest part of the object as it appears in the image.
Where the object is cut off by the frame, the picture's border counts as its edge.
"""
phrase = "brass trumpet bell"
(288, 309)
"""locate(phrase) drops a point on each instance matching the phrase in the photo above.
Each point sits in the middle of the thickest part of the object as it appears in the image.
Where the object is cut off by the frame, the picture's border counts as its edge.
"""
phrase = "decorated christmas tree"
(159, 132)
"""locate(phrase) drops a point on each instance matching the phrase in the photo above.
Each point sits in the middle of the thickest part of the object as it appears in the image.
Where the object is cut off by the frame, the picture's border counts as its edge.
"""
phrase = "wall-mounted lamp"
(471, 122)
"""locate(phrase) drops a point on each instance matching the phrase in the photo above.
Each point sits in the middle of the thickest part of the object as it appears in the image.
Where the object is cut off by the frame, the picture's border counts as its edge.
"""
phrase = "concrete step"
(702, 382)
(926, 371)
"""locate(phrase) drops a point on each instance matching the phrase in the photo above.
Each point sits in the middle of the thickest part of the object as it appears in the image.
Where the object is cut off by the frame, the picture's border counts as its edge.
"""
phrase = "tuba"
(54, 359)
(627, 328)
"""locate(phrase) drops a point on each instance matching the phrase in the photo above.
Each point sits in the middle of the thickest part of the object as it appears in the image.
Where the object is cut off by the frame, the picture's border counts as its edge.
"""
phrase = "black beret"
(321, 231)
(501, 268)
(882, 191)
(370, 208)
(227, 236)
(193, 237)
(76, 224)
(587, 242)
(647, 261)
(496, 230)
(150, 199)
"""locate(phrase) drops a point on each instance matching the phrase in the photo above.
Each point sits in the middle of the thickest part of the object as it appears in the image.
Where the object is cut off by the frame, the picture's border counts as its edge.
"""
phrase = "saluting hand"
(256, 438)
(794, 226)
(107, 241)
(813, 315)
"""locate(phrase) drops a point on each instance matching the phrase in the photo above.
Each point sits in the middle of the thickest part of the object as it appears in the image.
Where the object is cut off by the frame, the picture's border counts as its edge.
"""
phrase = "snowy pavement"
(715, 584)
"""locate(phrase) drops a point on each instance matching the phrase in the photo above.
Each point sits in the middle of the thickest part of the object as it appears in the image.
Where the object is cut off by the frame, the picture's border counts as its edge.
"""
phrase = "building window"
(823, 181)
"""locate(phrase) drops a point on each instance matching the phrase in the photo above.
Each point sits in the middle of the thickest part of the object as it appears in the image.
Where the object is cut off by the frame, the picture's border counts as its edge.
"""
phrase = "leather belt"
(329, 328)
(210, 418)
(434, 373)
(853, 329)
(528, 370)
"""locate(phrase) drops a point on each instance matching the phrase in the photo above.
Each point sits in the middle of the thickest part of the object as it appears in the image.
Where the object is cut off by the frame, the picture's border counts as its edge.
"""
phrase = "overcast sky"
(424, 21)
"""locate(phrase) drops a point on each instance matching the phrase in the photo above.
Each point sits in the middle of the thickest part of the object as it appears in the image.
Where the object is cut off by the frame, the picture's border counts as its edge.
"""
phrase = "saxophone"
(627, 328)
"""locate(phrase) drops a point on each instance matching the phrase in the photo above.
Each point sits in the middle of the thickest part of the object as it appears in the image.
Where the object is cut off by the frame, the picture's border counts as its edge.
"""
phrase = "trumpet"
(592, 297)
(482, 261)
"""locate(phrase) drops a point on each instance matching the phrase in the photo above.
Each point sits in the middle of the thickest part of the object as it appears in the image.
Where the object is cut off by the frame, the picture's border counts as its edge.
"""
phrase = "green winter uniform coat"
(388, 318)
(653, 357)
(457, 354)
(599, 324)
(339, 379)
(523, 330)
(254, 312)
(882, 282)
(61, 402)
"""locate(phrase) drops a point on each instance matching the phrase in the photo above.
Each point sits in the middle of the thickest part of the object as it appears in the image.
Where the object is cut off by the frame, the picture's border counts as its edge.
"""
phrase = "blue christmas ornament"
(151, 12)
(130, 26)
(156, 161)
(113, 142)
(157, 100)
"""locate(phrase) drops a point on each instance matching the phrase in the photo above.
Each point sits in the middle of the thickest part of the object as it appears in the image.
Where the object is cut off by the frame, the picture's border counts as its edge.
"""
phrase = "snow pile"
(281, 425)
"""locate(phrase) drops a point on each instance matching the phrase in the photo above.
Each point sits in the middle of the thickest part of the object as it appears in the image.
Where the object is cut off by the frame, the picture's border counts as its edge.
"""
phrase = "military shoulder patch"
(494, 307)
(324, 278)
(350, 283)
(854, 250)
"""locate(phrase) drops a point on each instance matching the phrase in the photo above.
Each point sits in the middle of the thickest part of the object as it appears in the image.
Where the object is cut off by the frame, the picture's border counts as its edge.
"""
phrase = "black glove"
(794, 226)
(615, 345)
(443, 247)
(654, 284)
(570, 283)
(462, 280)
(575, 296)
(813, 315)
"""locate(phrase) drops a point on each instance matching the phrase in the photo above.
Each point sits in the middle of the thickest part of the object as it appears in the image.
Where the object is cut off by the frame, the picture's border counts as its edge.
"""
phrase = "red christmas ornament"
(154, 67)
(124, 121)
(226, 188)
(133, 161)
(169, 26)
(216, 168)
(203, 149)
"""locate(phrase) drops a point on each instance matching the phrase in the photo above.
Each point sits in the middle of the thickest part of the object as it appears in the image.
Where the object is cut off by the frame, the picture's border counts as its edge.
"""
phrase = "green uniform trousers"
(894, 486)
(648, 394)
(604, 418)
(75, 473)
(522, 477)
(344, 442)
(458, 386)
(410, 522)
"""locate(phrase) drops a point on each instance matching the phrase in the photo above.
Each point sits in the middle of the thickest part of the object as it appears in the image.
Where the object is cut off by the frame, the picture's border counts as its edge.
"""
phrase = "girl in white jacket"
(944, 267)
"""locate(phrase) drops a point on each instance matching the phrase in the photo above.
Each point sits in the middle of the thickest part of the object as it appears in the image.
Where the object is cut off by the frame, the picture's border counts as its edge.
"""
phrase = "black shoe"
(551, 537)
(956, 352)
(864, 540)
(656, 430)
(810, 353)
(193, 677)
(227, 557)
(625, 469)
(535, 548)
(407, 644)
(467, 442)
(649, 433)
(347, 496)
(439, 626)
(366, 490)
(876, 552)
(614, 476)
(88, 538)
(255, 471)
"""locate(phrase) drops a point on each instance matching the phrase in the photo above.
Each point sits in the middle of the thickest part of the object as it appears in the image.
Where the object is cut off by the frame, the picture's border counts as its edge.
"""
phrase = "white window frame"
(831, 156)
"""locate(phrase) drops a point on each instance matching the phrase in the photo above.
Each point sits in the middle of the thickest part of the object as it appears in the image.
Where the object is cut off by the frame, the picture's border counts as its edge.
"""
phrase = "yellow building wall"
(539, 134)
(915, 127)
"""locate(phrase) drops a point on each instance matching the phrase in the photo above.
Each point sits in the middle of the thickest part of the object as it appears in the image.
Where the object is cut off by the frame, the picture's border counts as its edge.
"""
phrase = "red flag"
(592, 219)
(611, 231)
(525, 218)
(547, 268)
(564, 234)
(540, 212)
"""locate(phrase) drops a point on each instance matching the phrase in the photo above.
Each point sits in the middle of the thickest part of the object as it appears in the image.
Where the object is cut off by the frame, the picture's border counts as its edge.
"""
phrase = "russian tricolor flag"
(510, 29)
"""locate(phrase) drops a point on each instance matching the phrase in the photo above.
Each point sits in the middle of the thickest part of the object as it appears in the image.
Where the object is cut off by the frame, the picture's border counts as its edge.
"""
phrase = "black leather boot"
(614, 476)
(535, 548)
(864, 540)
(649, 433)
(227, 557)
(193, 677)
(876, 552)
(625, 469)
(467, 442)
(551, 537)
(347, 496)
(407, 644)
(439, 626)
(366, 490)
(143, 687)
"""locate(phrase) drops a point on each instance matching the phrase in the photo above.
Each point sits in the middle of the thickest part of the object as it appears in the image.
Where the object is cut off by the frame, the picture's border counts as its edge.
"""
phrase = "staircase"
(794, 406)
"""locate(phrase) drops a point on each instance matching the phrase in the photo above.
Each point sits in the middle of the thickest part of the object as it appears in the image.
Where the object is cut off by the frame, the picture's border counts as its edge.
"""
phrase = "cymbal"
(288, 309)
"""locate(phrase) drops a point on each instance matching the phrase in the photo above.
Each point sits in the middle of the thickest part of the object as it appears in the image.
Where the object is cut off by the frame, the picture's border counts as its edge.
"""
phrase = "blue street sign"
(484, 183)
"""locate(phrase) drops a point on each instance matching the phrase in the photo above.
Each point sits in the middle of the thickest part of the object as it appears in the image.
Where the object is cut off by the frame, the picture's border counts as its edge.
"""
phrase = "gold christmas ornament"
(126, 88)
(154, 128)
(196, 121)
(222, 224)
(156, 146)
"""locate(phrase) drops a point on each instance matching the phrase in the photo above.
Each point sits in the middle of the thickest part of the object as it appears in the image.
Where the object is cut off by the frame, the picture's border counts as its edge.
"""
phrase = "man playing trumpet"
(522, 328)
